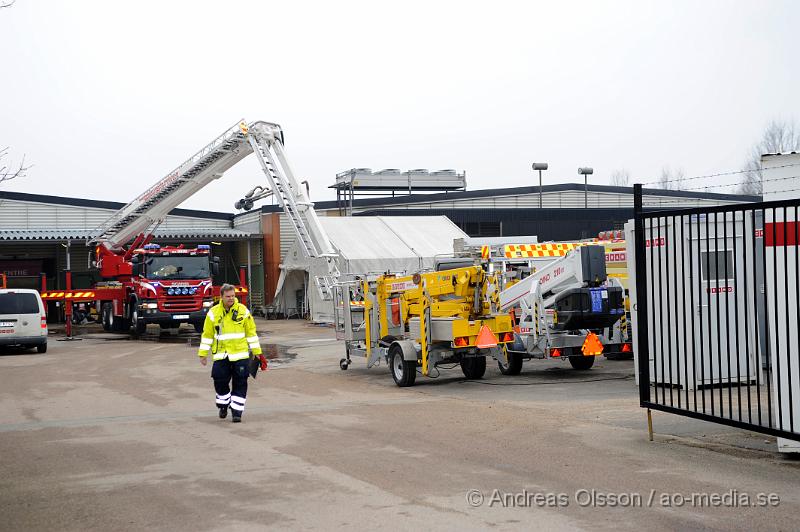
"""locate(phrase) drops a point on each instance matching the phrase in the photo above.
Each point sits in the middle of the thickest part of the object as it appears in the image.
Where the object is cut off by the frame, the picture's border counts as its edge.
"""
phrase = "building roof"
(99, 204)
(375, 237)
(377, 244)
(518, 191)
(83, 234)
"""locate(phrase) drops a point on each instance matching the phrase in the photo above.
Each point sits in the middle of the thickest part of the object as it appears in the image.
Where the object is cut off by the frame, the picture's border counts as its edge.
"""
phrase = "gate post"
(642, 351)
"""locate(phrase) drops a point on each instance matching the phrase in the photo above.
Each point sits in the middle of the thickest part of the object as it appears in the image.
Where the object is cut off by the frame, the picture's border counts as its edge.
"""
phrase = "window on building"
(717, 265)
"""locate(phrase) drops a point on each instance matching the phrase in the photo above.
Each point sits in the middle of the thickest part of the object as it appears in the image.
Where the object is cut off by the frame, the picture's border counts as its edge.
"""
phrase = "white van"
(22, 319)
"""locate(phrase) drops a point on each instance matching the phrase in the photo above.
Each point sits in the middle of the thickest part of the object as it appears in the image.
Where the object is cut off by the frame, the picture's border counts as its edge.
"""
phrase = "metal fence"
(717, 318)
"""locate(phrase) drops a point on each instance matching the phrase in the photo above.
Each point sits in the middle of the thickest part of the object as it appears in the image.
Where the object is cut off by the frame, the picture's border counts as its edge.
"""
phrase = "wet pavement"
(110, 433)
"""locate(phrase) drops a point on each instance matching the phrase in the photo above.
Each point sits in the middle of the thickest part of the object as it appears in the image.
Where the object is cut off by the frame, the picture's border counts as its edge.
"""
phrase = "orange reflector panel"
(486, 338)
(507, 337)
(592, 346)
(461, 342)
(626, 348)
(555, 353)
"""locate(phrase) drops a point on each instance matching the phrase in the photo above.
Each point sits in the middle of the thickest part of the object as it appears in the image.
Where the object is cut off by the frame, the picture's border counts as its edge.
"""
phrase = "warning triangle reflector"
(592, 346)
(486, 338)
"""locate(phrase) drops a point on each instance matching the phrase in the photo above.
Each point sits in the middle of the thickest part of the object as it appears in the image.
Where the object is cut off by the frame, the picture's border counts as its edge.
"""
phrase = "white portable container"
(700, 299)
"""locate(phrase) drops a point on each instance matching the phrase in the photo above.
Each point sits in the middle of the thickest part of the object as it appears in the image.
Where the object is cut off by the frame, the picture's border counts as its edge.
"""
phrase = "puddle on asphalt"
(278, 353)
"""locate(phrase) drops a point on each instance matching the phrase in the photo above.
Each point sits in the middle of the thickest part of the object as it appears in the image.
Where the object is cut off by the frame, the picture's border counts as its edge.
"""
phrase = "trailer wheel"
(343, 364)
(473, 367)
(514, 366)
(107, 316)
(581, 363)
(404, 372)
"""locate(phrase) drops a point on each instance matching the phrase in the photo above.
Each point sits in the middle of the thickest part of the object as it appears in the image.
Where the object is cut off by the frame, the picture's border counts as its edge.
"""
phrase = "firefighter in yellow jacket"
(229, 334)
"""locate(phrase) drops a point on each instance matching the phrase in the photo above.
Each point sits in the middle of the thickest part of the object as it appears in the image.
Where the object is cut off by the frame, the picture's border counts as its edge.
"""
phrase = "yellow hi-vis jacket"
(229, 334)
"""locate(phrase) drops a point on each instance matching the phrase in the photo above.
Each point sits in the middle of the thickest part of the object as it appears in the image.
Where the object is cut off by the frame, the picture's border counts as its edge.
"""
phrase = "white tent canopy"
(366, 245)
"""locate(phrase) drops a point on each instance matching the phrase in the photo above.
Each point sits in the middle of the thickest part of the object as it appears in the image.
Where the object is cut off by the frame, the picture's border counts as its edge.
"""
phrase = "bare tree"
(9, 172)
(671, 179)
(620, 178)
(779, 137)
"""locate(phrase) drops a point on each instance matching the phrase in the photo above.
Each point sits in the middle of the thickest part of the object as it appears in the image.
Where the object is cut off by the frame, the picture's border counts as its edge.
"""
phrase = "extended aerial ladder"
(137, 220)
(566, 306)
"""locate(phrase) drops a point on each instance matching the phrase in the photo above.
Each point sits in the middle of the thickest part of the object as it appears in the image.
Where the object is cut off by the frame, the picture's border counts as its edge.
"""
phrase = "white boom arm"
(148, 210)
(559, 275)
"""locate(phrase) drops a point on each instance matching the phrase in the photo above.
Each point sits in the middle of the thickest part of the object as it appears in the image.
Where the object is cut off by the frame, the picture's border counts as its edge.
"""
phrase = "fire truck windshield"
(177, 267)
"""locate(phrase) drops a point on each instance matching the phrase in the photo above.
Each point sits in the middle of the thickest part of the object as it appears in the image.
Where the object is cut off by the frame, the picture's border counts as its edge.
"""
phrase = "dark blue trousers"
(224, 372)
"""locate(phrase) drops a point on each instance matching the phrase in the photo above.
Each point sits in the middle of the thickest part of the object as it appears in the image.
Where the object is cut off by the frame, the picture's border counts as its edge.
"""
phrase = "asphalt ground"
(109, 433)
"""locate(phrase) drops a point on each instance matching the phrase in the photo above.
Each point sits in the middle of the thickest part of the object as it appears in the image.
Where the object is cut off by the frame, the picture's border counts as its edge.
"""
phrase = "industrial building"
(39, 232)
(40, 235)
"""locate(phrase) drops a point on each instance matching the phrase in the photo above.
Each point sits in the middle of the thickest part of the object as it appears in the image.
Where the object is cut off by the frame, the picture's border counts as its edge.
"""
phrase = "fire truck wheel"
(581, 363)
(514, 366)
(107, 316)
(473, 367)
(115, 323)
(404, 372)
(139, 326)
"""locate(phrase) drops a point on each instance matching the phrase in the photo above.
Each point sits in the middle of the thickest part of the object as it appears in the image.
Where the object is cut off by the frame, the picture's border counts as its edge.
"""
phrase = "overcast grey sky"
(105, 98)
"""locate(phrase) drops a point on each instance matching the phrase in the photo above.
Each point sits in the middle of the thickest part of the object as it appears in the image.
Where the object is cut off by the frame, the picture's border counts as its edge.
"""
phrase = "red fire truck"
(166, 285)
(146, 283)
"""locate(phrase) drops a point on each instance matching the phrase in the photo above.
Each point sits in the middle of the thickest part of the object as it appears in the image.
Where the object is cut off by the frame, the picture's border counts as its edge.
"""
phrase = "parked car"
(22, 319)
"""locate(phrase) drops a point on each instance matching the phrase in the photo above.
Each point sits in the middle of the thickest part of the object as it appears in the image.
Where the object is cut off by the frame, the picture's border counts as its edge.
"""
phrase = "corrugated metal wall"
(250, 222)
(560, 200)
(15, 214)
(27, 215)
(288, 235)
(547, 224)
(185, 222)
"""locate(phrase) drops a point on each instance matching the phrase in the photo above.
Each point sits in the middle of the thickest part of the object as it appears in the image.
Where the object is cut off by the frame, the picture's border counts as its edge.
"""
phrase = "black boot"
(223, 412)
(237, 417)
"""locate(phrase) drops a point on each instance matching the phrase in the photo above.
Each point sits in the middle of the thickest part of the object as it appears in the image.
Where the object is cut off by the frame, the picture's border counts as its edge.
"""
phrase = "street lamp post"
(539, 167)
(585, 171)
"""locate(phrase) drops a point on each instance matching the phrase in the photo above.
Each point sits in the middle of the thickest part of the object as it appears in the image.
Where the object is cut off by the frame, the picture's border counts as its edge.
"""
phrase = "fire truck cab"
(171, 285)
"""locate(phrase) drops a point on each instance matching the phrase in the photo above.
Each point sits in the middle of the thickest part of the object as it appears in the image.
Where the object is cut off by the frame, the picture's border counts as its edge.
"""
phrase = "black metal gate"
(716, 313)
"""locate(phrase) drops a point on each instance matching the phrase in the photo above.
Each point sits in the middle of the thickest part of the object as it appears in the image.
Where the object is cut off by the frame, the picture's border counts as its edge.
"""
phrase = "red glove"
(263, 362)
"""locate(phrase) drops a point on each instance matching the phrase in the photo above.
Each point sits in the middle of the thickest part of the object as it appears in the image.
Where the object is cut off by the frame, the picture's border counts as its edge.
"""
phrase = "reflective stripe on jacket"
(225, 337)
